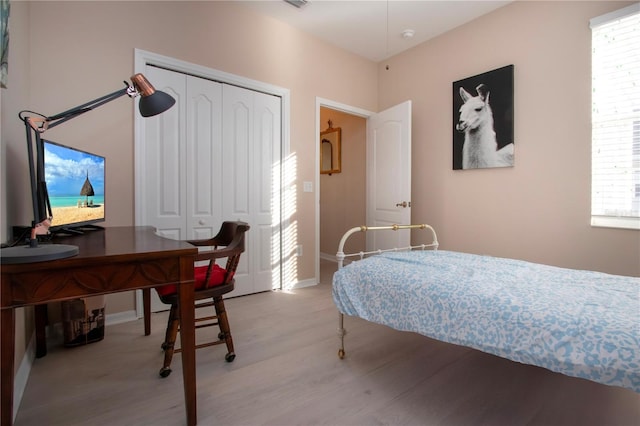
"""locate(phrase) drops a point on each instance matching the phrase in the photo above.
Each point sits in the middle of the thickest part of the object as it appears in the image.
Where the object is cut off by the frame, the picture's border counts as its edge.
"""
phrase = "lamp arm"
(40, 123)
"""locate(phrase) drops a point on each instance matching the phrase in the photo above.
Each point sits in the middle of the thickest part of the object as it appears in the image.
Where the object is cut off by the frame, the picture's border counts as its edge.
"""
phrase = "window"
(615, 119)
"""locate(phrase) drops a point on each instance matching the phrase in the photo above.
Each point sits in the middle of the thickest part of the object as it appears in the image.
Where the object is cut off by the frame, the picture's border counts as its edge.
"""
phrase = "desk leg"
(188, 338)
(146, 310)
(7, 340)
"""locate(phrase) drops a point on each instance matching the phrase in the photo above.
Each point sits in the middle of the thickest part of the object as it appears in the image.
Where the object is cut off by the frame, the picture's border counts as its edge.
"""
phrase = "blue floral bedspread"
(579, 323)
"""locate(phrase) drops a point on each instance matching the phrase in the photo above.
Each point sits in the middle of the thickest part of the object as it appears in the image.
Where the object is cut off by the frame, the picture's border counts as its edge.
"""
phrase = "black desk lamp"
(152, 102)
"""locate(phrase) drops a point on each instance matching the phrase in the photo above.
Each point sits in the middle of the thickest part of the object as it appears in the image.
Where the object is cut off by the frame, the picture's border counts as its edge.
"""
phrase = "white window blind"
(615, 166)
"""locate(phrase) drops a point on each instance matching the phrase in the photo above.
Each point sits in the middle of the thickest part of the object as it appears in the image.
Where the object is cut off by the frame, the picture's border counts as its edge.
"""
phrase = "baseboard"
(329, 257)
(22, 375)
(120, 317)
(304, 283)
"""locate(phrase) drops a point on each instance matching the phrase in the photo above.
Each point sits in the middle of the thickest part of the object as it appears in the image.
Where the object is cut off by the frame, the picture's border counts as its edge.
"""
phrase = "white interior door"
(389, 175)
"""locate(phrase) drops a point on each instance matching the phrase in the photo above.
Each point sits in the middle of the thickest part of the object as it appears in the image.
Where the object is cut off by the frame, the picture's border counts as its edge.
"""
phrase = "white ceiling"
(373, 29)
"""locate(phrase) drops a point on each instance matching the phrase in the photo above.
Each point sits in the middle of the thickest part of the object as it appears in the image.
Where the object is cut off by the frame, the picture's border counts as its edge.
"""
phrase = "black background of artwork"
(500, 85)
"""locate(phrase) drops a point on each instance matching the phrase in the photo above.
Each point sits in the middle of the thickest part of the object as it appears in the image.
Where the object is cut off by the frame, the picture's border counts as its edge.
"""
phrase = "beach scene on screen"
(75, 183)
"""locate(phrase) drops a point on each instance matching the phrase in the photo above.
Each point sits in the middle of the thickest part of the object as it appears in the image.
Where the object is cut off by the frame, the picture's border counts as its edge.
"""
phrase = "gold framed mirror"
(330, 150)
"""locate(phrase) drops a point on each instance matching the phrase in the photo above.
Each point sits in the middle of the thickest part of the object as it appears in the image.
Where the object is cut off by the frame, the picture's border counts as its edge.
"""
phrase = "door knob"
(403, 204)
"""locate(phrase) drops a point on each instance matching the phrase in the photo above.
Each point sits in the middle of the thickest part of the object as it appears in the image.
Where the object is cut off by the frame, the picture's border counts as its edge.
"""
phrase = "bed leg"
(341, 333)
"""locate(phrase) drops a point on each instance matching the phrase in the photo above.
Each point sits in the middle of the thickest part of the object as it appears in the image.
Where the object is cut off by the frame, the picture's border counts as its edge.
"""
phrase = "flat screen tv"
(74, 186)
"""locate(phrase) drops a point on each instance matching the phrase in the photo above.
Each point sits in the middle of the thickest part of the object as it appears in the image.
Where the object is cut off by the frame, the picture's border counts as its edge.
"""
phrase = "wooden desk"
(110, 260)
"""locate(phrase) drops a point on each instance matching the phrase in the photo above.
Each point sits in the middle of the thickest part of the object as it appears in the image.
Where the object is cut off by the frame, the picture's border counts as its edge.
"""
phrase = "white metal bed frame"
(341, 256)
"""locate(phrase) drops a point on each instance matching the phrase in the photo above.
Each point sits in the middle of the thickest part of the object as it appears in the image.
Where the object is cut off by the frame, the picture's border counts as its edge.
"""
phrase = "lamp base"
(41, 253)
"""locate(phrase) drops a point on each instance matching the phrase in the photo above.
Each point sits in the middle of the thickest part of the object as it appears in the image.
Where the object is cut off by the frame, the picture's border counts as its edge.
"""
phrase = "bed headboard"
(341, 256)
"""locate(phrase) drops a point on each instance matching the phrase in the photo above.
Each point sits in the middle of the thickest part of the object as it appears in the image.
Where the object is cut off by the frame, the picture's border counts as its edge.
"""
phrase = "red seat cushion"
(200, 273)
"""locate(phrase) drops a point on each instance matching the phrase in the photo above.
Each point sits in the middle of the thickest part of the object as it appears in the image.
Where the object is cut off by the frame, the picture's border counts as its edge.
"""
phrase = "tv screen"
(75, 186)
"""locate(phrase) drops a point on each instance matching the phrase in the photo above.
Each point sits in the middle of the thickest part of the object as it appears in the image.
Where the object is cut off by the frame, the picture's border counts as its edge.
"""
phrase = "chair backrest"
(229, 243)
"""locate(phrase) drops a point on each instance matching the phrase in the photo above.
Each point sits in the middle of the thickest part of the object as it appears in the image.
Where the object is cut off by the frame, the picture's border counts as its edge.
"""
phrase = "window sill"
(616, 222)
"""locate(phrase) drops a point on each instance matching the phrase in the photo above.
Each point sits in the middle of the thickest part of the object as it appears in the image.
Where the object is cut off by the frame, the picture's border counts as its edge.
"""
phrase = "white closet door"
(204, 157)
(213, 157)
(265, 195)
(182, 177)
(161, 191)
(251, 153)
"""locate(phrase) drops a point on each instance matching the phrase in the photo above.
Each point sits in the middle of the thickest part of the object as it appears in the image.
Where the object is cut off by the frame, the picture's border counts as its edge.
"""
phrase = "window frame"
(603, 220)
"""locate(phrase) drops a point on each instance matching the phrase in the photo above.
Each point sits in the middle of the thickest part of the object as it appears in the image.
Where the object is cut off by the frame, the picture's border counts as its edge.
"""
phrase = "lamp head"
(152, 101)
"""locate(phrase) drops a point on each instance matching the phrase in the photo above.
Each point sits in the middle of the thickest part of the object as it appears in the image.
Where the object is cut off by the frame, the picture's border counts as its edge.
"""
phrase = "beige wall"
(342, 195)
(538, 210)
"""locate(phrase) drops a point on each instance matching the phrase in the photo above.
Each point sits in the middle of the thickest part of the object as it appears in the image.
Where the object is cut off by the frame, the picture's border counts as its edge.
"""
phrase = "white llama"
(480, 148)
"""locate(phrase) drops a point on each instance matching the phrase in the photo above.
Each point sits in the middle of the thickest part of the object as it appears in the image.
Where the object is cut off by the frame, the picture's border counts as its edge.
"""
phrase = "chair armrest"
(216, 254)
(229, 248)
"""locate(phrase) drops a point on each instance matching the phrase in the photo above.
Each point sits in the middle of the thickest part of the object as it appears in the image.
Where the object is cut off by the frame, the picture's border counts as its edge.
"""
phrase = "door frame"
(142, 58)
(327, 103)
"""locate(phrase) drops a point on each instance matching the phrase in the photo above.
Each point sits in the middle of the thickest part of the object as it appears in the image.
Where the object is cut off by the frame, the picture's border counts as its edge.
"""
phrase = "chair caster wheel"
(230, 357)
(163, 346)
(221, 336)
(164, 372)
(341, 353)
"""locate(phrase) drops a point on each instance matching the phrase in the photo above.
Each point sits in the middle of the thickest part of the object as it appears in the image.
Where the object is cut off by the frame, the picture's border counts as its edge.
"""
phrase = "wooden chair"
(229, 244)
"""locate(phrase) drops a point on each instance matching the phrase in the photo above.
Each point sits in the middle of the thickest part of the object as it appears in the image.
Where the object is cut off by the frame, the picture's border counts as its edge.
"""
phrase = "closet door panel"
(204, 150)
(237, 117)
(164, 177)
(251, 152)
(264, 163)
(237, 113)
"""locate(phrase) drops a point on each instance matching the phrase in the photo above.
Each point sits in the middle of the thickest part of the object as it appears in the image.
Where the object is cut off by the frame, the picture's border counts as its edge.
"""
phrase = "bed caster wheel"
(230, 357)
(164, 372)
(341, 353)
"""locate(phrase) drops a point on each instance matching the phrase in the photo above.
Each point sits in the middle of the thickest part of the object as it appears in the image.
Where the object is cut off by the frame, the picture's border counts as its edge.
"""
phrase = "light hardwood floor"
(287, 372)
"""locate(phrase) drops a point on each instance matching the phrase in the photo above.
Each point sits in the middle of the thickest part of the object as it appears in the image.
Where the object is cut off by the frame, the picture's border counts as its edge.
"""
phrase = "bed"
(579, 323)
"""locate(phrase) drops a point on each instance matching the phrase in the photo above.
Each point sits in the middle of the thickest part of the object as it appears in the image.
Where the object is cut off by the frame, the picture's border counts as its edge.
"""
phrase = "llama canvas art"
(483, 120)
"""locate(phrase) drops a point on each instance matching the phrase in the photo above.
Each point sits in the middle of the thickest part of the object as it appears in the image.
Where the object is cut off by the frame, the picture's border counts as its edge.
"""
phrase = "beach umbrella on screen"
(87, 189)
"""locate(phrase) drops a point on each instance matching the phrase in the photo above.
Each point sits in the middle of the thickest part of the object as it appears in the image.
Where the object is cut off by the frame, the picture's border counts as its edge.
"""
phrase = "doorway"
(342, 194)
(387, 169)
(340, 197)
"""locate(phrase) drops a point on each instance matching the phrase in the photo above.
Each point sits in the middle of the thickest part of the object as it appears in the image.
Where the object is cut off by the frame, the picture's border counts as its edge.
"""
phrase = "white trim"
(616, 222)
(343, 107)
(22, 375)
(120, 317)
(142, 58)
(328, 257)
(616, 14)
(321, 102)
(304, 283)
